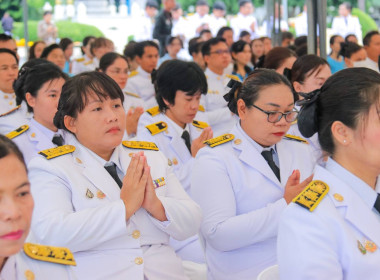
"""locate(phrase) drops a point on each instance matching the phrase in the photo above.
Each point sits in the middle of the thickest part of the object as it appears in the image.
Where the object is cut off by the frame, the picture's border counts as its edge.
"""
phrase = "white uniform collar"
(143, 72)
(45, 131)
(210, 74)
(9, 270)
(179, 130)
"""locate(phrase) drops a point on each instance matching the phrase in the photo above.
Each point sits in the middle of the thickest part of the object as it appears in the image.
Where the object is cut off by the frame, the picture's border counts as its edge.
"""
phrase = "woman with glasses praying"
(254, 172)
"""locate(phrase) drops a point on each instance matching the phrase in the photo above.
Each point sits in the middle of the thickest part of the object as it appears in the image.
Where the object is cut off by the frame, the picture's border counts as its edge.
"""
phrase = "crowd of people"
(143, 165)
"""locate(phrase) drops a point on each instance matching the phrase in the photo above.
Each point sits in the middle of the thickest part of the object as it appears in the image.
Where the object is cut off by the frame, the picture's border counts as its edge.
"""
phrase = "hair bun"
(307, 118)
(232, 96)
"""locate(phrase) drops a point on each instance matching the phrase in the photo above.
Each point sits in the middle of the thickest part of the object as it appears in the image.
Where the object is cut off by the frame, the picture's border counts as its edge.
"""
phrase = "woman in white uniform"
(39, 87)
(8, 74)
(244, 180)
(332, 230)
(113, 206)
(19, 260)
(116, 66)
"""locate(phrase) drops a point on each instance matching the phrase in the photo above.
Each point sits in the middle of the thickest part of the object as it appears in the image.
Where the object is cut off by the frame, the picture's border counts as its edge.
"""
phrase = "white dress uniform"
(241, 22)
(15, 118)
(7, 102)
(140, 82)
(23, 267)
(181, 27)
(242, 199)
(216, 23)
(219, 116)
(301, 24)
(83, 64)
(132, 100)
(340, 238)
(78, 205)
(195, 21)
(144, 28)
(347, 25)
(33, 138)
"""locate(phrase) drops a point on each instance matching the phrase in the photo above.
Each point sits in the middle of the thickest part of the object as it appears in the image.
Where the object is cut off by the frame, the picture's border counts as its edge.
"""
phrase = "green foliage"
(35, 11)
(74, 31)
(11, 6)
(367, 23)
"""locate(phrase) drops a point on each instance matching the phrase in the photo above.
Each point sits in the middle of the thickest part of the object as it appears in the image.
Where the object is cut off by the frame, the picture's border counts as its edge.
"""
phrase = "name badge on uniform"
(160, 182)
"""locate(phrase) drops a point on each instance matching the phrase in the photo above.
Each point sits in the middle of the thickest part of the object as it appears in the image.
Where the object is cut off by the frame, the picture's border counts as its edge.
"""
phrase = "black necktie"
(269, 158)
(377, 203)
(186, 136)
(58, 140)
(111, 169)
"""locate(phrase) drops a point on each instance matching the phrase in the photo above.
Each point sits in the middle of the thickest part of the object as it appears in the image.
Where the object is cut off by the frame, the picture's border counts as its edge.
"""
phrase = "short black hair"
(286, 35)
(299, 41)
(206, 48)
(151, 4)
(76, 91)
(204, 31)
(219, 5)
(140, 47)
(305, 64)
(176, 75)
(243, 2)
(130, 50)
(86, 41)
(64, 43)
(223, 29)
(171, 39)
(367, 38)
(348, 49)
(195, 47)
(347, 5)
(348, 36)
(4, 50)
(8, 147)
(201, 3)
(108, 59)
(4, 37)
(276, 57)
(32, 78)
(49, 49)
(244, 33)
(99, 42)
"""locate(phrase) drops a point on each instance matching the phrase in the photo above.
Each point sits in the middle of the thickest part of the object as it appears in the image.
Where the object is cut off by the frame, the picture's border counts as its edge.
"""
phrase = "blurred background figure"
(371, 44)
(351, 38)
(346, 23)
(8, 74)
(164, 24)
(354, 55)
(36, 49)
(130, 53)
(280, 58)
(67, 46)
(227, 34)
(7, 23)
(145, 24)
(241, 55)
(245, 36)
(244, 20)
(257, 48)
(335, 60)
(200, 20)
(217, 18)
(173, 46)
(54, 54)
(287, 39)
(46, 29)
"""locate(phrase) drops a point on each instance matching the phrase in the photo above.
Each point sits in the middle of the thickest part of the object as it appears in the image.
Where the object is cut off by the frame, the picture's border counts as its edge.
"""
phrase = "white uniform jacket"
(140, 82)
(143, 28)
(216, 23)
(242, 199)
(328, 243)
(83, 64)
(7, 102)
(344, 26)
(241, 23)
(14, 118)
(132, 100)
(78, 205)
(219, 116)
(195, 21)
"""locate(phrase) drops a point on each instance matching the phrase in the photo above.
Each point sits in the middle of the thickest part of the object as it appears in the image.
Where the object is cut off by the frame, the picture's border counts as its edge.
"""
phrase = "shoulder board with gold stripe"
(131, 94)
(312, 195)
(233, 77)
(201, 108)
(157, 127)
(11, 111)
(219, 140)
(52, 254)
(141, 145)
(88, 62)
(133, 73)
(295, 138)
(200, 124)
(295, 122)
(79, 59)
(57, 151)
(17, 131)
(153, 111)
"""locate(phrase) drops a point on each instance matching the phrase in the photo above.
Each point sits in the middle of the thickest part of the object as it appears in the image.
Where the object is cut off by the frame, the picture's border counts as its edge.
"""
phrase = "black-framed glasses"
(275, 116)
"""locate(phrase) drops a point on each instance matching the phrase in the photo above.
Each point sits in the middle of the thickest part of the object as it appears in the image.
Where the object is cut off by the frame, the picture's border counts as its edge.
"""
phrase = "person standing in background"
(244, 20)
(7, 23)
(163, 28)
(217, 18)
(46, 29)
(200, 20)
(346, 23)
(144, 30)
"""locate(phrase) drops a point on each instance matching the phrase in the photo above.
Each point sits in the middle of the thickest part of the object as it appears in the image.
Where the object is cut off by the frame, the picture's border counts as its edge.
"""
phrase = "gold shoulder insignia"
(294, 122)
(295, 138)
(157, 127)
(88, 62)
(312, 195)
(52, 254)
(17, 131)
(141, 145)
(219, 140)
(131, 94)
(233, 77)
(201, 108)
(11, 111)
(153, 111)
(57, 151)
(79, 59)
(133, 73)
(200, 124)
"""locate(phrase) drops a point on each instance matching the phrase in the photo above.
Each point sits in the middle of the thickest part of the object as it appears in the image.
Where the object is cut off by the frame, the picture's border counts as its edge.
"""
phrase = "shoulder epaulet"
(233, 77)
(312, 195)
(153, 111)
(219, 140)
(141, 145)
(200, 124)
(295, 138)
(201, 108)
(52, 254)
(80, 59)
(294, 122)
(88, 62)
(11, 111)
(133, 73)
(131, 94)
(57, 151)
(17, 131)
(157, 127)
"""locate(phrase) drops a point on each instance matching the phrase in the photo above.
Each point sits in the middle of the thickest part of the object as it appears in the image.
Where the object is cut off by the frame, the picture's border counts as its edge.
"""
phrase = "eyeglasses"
(220, 52)
(274, 116)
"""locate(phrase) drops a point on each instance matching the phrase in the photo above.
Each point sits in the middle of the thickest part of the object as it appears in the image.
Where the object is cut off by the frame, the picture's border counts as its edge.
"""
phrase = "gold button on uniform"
(29, 275)
(78, 160)
(139, 261)
(136, 234)
(237, 141)
(338, 197)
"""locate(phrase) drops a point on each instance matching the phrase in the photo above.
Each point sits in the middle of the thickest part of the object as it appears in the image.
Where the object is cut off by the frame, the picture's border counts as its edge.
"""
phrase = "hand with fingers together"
(133, 116)
(294, 187)
(197, 143)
